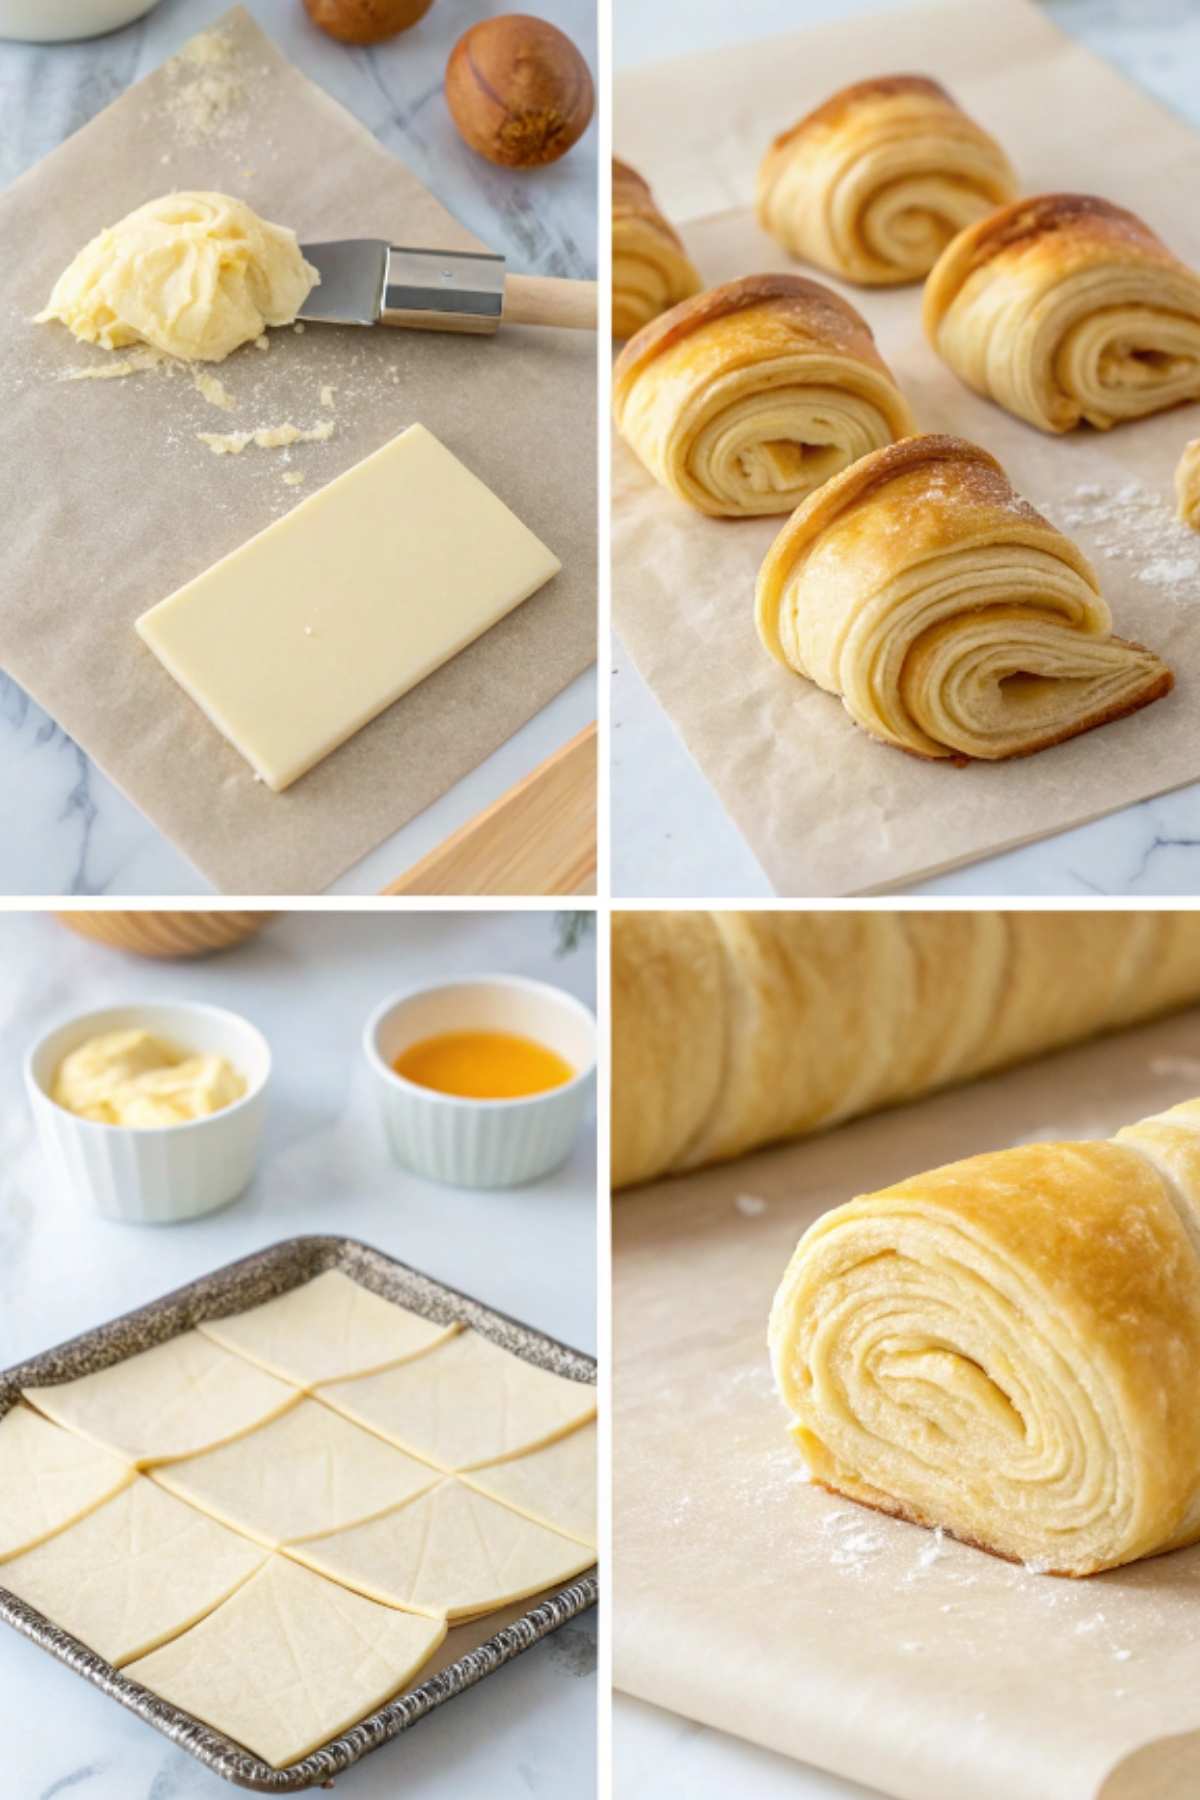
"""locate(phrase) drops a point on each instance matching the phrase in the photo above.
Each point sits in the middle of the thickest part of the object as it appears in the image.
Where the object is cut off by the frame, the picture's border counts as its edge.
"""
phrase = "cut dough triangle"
(138, 1570)
(451, 1554)
(556, 1486)
(466, 1403)
(327, 1329)
(301, 1475)
(49, 1478)
(290, 1662)
(181, 1397)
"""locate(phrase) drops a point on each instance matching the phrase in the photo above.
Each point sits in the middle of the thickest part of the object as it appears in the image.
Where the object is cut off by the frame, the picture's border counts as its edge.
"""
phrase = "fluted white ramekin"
(482, 1143)
(53, 21)
(154, 1174)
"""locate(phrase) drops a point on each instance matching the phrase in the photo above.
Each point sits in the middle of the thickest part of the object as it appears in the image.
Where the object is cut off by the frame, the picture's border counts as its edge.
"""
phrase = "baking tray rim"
(179, 1310)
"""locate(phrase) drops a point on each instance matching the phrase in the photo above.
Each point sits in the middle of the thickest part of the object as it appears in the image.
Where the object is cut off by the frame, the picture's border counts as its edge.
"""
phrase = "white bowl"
(55, 21)
(482, 1143)
(154, 1174)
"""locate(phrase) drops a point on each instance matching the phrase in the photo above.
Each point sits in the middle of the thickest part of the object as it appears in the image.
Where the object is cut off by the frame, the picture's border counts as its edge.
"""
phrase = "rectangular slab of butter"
(297, 640)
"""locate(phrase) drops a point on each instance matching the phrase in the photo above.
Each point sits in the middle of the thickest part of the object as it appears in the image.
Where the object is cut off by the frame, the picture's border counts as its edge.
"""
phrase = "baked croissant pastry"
(744, 399)
(1064, 308)
(1187, 485)
(874, 184)
(731, 1030)
(651, 270)
(952, 619)
(1009, 1348)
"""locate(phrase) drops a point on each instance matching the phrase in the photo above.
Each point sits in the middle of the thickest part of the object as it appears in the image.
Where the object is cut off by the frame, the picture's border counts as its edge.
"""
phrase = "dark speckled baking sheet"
(466, 1656)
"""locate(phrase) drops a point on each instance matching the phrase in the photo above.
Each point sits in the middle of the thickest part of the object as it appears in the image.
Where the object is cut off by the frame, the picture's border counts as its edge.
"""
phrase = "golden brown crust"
(975, 468)
(817, 307)
(1024, 222)
(860, 93)
(633, 198)
(979, 480)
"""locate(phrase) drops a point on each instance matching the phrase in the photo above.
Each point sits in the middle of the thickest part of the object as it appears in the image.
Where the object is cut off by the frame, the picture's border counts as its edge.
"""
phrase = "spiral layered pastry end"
(948, 615)
(876, 182)
(745, 399)
(651, 270)
(1009, 1348)
(1065, 308)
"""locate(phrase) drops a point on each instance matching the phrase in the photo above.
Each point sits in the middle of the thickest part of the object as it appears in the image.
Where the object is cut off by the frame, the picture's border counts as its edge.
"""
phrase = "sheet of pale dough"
(825, 809)
(452, 1553)
(181, 1397)
(49, 1477)
(556, 1486)
(310, 630)
(135, 1572)
(306, 1473)
(325, 1329)
(466, 1403)
(112, 502)
(290, 1662)
(825, 1631)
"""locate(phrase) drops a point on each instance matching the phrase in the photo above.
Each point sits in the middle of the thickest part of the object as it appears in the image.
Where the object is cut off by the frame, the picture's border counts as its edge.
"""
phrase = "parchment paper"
(750, 1601)
(110, 502)
(826, 810)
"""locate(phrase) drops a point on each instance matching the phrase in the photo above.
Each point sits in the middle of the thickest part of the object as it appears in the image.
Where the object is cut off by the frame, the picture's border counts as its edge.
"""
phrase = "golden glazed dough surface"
(948, 615)
(875, 183)
(1063, 309)
(651, 270)
(744, 399)
(193, 274)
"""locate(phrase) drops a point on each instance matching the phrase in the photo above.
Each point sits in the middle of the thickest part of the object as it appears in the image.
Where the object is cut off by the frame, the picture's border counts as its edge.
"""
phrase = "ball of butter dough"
(195, 275)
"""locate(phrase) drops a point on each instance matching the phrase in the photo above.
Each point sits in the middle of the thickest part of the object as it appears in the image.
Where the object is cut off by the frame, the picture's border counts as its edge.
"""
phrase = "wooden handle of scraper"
(549, 300)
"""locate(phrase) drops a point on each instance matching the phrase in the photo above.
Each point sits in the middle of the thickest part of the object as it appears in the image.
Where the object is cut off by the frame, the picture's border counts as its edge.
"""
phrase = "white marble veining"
(671, 836)
(309, 982)
(64, 827)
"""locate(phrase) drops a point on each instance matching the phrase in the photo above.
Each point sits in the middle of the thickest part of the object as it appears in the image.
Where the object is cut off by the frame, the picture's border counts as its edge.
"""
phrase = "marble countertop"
(309, 981)
(672, 838)
(64, 827)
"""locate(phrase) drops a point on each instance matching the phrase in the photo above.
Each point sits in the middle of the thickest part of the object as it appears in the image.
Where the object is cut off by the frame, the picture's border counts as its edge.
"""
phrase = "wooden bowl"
(166, 934)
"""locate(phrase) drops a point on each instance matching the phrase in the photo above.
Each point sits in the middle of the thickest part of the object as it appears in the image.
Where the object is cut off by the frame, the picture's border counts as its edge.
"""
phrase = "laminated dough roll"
(746, 398)
(651, 270)
(1187, 485)
(1063, 308)
(1009, 1348)
(731, 1030)
(949, 616)
(874, 184)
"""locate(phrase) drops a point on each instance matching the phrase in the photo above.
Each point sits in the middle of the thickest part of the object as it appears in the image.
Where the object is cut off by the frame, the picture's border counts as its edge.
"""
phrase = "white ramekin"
(154, 1174)
(482, 1143)
(56, 21)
